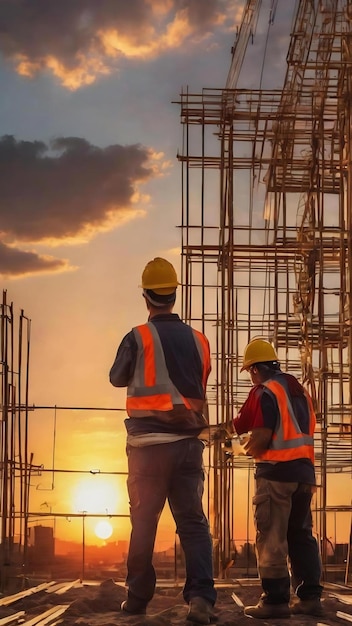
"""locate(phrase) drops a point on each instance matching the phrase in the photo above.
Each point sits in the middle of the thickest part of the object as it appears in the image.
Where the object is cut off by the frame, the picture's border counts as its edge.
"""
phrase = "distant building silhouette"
(41, 545)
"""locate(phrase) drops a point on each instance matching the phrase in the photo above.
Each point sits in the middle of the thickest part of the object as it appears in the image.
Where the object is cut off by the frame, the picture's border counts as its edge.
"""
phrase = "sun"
(103, 530)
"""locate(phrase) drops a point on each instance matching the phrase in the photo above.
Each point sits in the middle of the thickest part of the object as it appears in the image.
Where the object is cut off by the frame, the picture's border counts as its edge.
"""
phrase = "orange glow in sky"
(92, 496)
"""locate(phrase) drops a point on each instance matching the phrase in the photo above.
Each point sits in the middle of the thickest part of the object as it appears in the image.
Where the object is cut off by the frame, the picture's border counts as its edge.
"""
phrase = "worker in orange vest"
(165, 366)
(279, 416)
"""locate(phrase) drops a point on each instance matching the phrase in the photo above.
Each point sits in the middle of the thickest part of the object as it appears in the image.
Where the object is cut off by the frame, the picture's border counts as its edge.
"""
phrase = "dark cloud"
(17, 263)
(78, 39)
(68, 189)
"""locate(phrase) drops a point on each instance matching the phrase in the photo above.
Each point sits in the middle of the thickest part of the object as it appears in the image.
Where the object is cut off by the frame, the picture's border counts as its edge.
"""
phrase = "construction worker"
(279, 417)
(165, 365)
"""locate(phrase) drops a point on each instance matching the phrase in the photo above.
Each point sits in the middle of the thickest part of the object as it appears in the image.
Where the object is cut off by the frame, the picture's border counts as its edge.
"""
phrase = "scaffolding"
(269, 252)
(16, 464)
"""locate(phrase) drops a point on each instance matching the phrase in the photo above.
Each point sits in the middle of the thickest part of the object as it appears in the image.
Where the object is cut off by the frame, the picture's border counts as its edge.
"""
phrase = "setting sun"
(103, 530)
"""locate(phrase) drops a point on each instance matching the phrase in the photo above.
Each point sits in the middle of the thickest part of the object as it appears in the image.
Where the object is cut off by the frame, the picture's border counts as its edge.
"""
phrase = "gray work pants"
(283, 523)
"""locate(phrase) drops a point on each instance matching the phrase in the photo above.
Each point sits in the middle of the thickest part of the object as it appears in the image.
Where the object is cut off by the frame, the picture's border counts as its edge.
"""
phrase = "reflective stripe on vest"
(288, 442)
(203, 349)
(151, 388)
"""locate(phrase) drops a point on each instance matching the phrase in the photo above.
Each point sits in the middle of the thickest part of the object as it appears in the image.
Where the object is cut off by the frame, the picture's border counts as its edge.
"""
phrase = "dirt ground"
(99, 605)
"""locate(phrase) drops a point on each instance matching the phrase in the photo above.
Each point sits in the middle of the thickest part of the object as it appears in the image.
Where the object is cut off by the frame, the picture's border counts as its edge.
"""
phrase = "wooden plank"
(344, 599)
(60, 588)
(48, 620)
(237, 600)
(345, 616)
(11, 618)
(47, 616)
(27, 592)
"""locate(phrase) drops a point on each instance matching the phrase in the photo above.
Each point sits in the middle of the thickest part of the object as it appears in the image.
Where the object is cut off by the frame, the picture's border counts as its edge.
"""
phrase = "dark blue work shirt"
(183, 363)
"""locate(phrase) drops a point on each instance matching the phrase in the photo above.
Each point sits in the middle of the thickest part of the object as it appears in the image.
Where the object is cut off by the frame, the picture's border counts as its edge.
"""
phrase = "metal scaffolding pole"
(15, 466)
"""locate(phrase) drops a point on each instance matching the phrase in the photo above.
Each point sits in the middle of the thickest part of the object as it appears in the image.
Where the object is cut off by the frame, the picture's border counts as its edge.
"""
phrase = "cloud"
(66, 192)
(69, 190)
(77, 41)
(18, 263)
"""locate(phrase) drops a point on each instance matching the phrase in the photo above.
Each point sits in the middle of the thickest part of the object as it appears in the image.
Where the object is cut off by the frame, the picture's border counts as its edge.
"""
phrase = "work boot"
(263, 610)
(308, 607)
(133, 608)
(200, 611)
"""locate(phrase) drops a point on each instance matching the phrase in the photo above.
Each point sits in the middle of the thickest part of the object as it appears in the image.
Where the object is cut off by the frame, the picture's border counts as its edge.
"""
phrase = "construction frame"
(269, 252)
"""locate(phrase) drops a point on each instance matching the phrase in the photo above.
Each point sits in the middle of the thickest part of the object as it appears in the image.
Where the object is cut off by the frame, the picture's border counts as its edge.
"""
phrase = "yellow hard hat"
(258, 351)
(160, 276)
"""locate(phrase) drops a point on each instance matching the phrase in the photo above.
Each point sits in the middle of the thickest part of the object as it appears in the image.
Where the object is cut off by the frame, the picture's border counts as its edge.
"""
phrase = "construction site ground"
(98, 604)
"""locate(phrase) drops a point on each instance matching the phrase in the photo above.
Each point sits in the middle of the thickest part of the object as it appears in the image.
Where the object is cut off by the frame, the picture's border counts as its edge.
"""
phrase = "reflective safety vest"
(151, 389)
(288, 442)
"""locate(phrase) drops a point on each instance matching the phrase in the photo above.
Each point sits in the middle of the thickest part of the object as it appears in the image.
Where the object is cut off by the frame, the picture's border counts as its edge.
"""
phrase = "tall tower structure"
(266, 243)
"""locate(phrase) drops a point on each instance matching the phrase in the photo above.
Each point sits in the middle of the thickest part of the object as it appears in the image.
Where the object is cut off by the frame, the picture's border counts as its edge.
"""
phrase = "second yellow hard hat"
(258, 351)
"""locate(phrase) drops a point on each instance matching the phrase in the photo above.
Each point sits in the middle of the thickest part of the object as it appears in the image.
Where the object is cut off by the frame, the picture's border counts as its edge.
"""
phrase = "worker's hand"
(222, 433)
(258, 442)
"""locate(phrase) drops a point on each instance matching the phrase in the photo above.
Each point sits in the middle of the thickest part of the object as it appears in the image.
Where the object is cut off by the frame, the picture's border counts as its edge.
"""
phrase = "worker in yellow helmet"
(165, 366)
(279, 416)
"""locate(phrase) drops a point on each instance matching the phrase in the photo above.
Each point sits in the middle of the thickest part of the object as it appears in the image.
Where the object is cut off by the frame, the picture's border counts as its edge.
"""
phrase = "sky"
(90, 192)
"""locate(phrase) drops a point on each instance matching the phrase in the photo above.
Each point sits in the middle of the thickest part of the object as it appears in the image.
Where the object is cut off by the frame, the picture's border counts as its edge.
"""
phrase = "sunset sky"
(90, 192)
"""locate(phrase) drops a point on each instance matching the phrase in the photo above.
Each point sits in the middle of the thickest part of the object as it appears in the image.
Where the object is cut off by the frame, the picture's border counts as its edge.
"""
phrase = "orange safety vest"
(288, 442)
(151, 390)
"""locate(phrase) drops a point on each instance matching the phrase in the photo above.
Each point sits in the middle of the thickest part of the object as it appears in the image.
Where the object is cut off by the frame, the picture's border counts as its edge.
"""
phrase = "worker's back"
(167, 390)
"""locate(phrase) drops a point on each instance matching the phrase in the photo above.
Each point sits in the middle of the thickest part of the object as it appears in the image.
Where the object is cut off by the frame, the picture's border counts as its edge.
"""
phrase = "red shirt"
(251, 414)
(260, 410)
